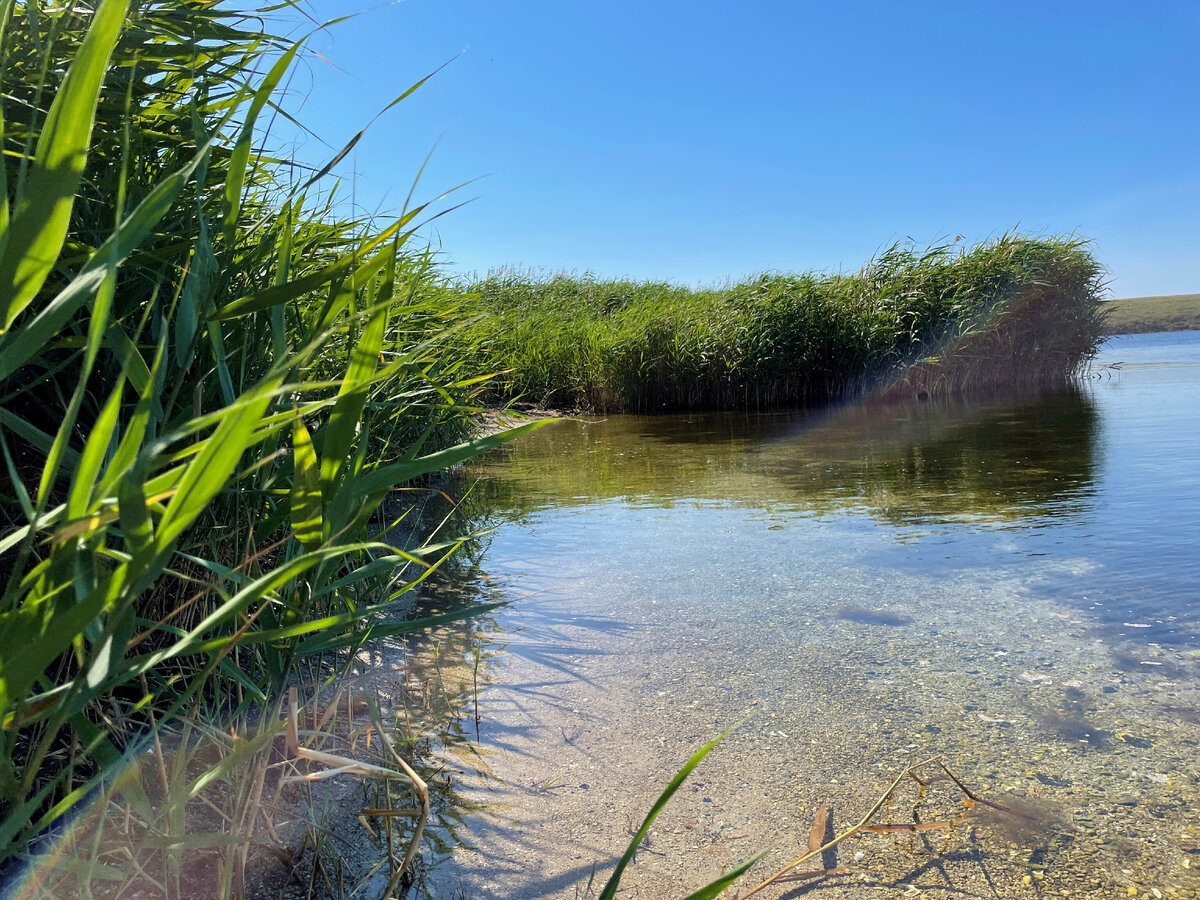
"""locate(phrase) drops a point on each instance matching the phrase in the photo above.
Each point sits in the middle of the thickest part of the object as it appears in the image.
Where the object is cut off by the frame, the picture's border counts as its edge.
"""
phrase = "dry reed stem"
(864, 824)
(343, 765)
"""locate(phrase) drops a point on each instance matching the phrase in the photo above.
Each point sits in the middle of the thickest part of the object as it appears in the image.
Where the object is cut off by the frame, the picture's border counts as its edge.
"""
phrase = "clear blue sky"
(695, 141)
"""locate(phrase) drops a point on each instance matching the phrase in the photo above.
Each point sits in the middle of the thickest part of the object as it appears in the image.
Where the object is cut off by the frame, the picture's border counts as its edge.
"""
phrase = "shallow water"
(1009, 586)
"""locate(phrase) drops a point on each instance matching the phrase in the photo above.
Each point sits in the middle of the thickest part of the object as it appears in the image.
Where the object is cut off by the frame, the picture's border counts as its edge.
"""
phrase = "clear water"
(1011, 586)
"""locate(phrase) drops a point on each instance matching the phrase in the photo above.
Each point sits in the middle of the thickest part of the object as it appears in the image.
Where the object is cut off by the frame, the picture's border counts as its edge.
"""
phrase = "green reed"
(1016, 311)
(209, 382)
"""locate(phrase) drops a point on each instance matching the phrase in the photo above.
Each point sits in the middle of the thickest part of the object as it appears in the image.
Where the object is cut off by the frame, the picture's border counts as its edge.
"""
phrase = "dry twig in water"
(864, 824)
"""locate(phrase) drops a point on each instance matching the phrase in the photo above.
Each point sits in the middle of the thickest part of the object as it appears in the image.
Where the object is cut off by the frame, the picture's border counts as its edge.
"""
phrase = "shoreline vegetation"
(1011, 314)
(211, 382)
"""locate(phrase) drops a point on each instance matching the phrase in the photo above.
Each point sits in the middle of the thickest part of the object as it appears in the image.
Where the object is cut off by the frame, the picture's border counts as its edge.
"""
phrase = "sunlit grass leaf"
(306, 489)
(42, 213)
(718, 886)
(207, 474)
(95, 451)
(385, 477)
(17, 348)
(239, 158)
(339, 434)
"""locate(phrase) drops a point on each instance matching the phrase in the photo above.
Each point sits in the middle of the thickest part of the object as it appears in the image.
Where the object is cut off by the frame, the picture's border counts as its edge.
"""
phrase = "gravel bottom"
(856, 661)
(587, 717)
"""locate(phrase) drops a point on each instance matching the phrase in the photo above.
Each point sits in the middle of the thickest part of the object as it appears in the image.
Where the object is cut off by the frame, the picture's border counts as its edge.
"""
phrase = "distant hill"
(1136, 315)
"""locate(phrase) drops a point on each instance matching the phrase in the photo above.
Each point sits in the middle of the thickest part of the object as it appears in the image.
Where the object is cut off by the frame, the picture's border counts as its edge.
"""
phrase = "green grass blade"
(306, 489)
(19, 491)
(17, 348)
(42, 213)
(196, 295)
(5, 9)
(209, 471)
(224, 377)
(330, 638)
(384, 478)
(610, 887)
(344, 421)
(91, 460)
(353, 142)
(34, 635)
(35, 435)
(132, 505)
(715, 888)
(283, 266)
(239, 158)
(132, 364)
(66, 429)
(137, 425)
(306, 284)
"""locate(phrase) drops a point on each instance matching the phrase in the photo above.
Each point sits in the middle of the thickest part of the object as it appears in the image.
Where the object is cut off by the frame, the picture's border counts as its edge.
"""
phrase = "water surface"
(1011, 586)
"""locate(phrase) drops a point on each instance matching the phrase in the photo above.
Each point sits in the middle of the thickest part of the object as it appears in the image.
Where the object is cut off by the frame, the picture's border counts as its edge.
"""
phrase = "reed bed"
(1010, 313)
(210, 380)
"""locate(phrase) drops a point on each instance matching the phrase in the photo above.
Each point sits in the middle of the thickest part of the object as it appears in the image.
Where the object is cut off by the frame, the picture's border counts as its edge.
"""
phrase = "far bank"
(1143, 315)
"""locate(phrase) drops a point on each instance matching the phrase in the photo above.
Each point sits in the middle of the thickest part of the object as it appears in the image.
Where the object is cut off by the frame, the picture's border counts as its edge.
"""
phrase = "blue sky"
(695, 142)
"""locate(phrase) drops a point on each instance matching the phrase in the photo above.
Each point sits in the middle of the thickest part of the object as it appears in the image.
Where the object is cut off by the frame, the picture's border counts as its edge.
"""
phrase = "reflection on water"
(1013, 583)
(1101, 484)
(904, 464)
(923, 464)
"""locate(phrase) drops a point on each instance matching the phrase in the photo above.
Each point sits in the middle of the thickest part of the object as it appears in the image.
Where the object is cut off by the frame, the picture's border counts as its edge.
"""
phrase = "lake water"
(1013, 587)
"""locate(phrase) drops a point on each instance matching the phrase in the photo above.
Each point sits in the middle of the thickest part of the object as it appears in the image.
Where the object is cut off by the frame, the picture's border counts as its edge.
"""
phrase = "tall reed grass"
(1016, 311)
(209, 381)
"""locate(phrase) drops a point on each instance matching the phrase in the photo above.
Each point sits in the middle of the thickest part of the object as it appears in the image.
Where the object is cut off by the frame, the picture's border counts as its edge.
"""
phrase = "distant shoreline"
(1139, 315)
